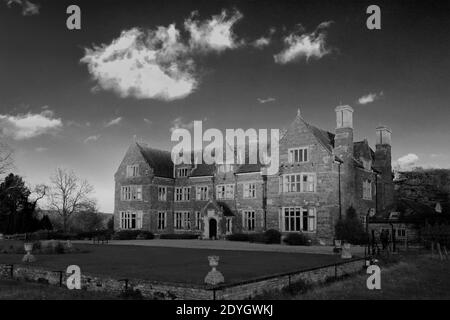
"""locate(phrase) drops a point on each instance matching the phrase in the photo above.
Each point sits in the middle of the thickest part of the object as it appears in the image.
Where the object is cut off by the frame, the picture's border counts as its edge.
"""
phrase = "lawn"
(175, 264)
(415, 277)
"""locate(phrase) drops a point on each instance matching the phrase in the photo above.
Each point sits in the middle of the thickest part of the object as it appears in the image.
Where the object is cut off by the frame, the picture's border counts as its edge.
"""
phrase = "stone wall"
(168, 291)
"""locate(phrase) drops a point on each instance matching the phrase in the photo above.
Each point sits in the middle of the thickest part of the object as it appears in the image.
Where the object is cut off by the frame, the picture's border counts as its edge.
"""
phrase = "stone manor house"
(321, 175)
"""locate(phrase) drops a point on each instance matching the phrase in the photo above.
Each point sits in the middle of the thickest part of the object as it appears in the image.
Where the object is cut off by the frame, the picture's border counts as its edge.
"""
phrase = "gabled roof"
(221, 206)
(159, 160)
(362, 149)
(325, 138)
(203, 170)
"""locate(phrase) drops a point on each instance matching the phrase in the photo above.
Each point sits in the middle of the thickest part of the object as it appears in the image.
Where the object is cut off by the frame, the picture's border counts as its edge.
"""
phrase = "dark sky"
(405, 65)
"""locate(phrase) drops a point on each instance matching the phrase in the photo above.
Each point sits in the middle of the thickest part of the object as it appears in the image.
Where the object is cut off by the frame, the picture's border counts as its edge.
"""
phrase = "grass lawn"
(20, 290)
(414, 277)
(175, 264)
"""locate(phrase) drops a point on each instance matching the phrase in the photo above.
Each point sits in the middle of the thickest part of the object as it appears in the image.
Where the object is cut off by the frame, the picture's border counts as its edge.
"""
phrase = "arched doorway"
(212, 228)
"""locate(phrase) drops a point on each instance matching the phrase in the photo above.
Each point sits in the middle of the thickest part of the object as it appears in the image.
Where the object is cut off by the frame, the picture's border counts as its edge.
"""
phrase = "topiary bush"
(297, 239)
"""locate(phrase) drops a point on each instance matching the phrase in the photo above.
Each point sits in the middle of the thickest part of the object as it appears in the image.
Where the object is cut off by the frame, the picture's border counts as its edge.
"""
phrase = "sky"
(137, 69)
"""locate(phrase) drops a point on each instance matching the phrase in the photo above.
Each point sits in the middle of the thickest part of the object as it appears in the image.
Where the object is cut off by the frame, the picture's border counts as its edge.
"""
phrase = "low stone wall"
(168, 291)
(249, 289)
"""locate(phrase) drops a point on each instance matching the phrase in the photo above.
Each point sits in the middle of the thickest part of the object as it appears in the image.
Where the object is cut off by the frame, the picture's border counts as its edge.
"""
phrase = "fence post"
(439, 251)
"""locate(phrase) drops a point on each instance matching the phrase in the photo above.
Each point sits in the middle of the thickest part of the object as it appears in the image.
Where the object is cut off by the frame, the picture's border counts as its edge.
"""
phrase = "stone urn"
(346, 253)
(28, 257)
(214, 277)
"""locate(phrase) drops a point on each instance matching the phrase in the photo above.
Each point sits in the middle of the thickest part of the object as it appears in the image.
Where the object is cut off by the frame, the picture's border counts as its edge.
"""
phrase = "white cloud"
(29, 125)
(307, 45)
(266, 100)
(261, 42)
(407, 161)
(28, 8)
(215, 34)
(91, 138)
(159, 64)
(178, 123)
(369, 98)
(143, 65)
(114, 122)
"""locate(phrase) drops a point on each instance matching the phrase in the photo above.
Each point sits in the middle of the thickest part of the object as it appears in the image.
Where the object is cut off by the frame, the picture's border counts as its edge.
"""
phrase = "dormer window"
(297, 155)
(182, 172)
(133, 171)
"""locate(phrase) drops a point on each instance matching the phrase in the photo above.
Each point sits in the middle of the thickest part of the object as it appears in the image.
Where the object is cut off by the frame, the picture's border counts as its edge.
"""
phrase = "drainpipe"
(339, 189)
(265, 201)
(376, 193)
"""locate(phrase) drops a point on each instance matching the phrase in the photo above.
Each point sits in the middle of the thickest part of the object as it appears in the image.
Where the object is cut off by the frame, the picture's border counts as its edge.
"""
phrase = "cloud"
(407, 161)
(28, 8)
(114, 122)
(264, 41)
(158, 64)
(304, 46)
(369, 98)
(261, 42)
(91, 138)
(144, 65)
(215, 34)
(26, 126)
(267, 100)
(178, 123)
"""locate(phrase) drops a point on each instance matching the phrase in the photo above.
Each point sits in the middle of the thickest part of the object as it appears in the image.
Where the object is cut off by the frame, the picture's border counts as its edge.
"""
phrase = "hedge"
(176, 236)
(297, 239)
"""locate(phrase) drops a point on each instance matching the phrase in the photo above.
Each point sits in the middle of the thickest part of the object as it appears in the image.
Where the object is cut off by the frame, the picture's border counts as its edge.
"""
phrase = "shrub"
(105, 234)
(145, 235)
(52, 235)
(238, 237)
(177, 236)
(126, 235)
(272, 236)
(350, 229)
(256, 237)
(297, 239)
(268, 237)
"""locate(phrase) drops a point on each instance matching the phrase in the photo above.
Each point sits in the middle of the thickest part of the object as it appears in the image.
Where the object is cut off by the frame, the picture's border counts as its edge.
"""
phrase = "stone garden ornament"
(214, 277)
(28, 257)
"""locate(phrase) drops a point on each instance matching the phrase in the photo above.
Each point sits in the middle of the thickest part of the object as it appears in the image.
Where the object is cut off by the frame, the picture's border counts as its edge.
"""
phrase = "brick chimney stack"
(343, 148)
(383, 163)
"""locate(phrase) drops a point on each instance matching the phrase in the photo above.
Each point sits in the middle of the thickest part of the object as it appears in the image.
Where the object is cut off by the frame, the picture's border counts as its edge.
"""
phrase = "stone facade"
(321, 174)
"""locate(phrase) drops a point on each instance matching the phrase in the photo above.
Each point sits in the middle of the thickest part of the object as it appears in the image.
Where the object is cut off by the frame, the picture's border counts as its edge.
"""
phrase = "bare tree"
(68, 194)
(6, 159)
(40, 191)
